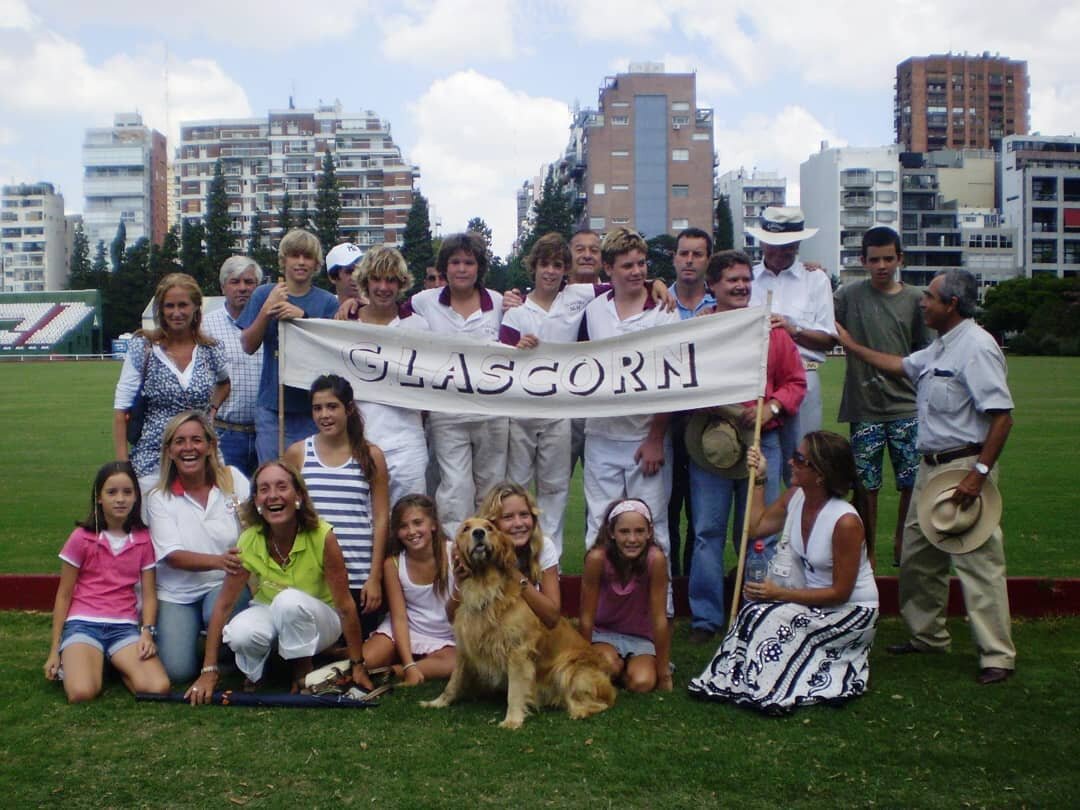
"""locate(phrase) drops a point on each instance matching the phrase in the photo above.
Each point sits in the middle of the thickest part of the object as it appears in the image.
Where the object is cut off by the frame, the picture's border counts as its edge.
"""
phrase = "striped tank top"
(342, 498)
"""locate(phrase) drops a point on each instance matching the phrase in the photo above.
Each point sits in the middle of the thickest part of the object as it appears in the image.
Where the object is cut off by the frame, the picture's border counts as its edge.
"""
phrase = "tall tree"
(552, 213)
(164, 258)
(80, 270)
(258, 246)
(327, 205)
(304, 219)
(661, 257)
(417, 248)
(478, 226)
(101, 263)
(218, 236)
(129, 291)
(116, 249)
(285, 215)
(724, 235)
(192, 256)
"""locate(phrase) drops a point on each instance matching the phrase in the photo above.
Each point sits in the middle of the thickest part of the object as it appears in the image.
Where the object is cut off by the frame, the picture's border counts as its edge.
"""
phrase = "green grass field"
(58, 416)
(925, 735)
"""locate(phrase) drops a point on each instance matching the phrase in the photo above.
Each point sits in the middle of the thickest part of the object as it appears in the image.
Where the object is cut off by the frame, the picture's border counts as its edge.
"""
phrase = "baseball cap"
(343, 255)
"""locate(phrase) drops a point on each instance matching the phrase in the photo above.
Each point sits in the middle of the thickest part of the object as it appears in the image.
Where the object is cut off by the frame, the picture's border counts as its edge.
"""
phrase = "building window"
(620, 153)
(620, 187)
(680, 224)
(700, 136)
(681, 155)
(620, 120)
(680, 120)
(886, 177)
(598, 188)
(886, 216)
(1044, 251)
(886, 196)
(680, 106)
(596, 223)
(620, 104)
(680, 191)
(620, 220)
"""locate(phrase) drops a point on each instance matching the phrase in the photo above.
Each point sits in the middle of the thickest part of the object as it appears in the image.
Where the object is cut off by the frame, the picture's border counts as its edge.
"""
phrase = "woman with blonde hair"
(194, 526)
(174, 367)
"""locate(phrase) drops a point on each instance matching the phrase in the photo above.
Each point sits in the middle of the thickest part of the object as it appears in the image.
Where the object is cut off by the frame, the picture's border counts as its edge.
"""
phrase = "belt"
(221, 423)
(812, 365)
(945, 456)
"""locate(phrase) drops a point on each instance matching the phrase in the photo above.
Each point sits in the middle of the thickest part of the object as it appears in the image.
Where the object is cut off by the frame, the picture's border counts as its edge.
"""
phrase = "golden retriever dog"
(501, 644)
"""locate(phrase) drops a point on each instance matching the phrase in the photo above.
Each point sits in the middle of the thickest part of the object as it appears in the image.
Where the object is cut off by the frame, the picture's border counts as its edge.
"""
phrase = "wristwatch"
(774, 408)
(981, 468)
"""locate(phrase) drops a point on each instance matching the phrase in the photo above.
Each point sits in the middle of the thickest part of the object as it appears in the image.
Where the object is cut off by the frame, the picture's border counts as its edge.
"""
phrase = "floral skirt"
(780, 655)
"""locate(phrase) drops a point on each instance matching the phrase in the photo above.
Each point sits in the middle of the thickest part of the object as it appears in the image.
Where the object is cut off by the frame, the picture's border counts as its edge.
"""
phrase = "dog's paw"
(437, 703)
(512, 723)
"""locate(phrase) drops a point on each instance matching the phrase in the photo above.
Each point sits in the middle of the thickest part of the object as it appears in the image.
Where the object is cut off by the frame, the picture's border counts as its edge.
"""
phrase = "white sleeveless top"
(424, 607)
(816, 553)
(342, 497)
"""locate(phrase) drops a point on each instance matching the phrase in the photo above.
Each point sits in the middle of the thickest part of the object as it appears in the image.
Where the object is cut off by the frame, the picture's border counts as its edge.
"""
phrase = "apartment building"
(33, 239)
(845, 191)
(645, 155)
(748, 194)
(948, 219)
(265, 158)
(957, 101)
(1039, 182)
(125, 179)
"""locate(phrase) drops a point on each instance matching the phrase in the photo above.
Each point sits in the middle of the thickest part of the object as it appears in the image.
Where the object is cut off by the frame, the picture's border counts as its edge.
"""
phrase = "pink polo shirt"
(105, 588)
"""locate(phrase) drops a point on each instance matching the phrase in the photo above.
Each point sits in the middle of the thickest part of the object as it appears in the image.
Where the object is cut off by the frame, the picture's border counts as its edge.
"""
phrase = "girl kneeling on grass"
(624, 598)
(95, 613)
(417, 581)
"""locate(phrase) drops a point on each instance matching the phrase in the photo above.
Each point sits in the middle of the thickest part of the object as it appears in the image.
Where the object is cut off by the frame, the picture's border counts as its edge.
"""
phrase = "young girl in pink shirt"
(95, 614)
(624, 598)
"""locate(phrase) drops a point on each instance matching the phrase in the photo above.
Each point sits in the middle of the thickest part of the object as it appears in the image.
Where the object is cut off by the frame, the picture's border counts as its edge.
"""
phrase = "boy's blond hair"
(299, 242)
(385, 263)
(619, 241)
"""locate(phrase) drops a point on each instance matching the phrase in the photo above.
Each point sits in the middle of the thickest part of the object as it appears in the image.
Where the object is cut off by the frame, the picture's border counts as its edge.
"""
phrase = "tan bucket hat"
(950, 528)
(717, 442)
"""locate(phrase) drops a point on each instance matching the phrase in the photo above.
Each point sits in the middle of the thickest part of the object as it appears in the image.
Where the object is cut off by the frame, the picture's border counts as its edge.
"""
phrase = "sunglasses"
(799, 459)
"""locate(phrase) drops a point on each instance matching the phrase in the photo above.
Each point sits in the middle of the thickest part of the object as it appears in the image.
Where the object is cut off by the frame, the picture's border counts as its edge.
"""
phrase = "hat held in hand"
(949, 527)
(717, 442)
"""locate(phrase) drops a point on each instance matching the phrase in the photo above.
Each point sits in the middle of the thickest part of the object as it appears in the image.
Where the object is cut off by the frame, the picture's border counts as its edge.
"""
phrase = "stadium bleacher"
(61, 324)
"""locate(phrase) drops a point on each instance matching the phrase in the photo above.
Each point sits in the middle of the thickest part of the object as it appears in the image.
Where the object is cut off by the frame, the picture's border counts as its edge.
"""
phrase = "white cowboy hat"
(949, 527)
(782, 225)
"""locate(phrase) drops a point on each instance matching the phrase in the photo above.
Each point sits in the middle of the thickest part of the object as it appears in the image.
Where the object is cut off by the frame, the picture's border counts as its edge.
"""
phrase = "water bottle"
(757, 566)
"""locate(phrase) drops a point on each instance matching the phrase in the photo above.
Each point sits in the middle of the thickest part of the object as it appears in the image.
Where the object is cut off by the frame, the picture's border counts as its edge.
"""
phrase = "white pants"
(611, 473)
(471, 458)
(539, 451)
(407, 466)
(300, 624)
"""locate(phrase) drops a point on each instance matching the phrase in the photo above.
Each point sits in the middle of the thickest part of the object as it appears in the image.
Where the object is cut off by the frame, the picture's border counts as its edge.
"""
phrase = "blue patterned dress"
(166, 397)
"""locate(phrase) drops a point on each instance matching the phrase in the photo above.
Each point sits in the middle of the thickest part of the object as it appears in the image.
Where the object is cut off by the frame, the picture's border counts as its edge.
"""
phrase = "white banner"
(697, 363)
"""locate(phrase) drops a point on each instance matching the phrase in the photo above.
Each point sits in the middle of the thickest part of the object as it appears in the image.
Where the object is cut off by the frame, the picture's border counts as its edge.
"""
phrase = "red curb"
(1031, 597)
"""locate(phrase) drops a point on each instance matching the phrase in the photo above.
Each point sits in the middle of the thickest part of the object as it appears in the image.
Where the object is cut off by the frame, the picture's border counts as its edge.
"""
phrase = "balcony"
(856, 220)
(856, 178)
(856, 200)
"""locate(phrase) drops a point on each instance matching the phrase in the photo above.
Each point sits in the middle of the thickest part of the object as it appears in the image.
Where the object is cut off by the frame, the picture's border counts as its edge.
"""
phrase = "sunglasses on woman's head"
(800, 459)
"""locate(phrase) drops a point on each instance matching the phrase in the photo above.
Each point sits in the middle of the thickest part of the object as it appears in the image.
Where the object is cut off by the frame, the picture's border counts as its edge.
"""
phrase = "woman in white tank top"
(796, 646)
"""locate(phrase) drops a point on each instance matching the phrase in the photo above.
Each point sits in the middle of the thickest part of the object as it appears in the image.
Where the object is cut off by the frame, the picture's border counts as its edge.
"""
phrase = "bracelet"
(407, 667)
(150, 628)
(204, 670)
(356, 662)
(759, 482)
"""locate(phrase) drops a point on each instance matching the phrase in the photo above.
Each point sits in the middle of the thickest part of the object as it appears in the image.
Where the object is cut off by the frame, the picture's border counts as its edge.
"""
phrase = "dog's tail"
(581, 682)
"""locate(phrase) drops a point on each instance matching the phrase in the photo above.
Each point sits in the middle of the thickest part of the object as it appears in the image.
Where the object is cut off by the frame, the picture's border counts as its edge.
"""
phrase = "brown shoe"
(993, 675)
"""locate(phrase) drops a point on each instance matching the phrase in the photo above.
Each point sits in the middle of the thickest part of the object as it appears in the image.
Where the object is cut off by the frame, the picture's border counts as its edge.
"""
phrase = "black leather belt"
(221, 423)
(945, 456)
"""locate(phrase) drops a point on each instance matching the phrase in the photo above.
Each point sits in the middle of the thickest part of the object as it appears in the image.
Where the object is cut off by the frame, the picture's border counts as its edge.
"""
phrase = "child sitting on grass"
(417, 581)
(95, 613)
(624, 598)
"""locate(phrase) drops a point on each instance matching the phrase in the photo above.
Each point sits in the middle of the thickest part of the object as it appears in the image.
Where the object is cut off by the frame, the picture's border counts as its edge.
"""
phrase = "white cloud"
(772, 143)
(476, 141)
(449, 33)
(633, 21)
(15, 15)
(270, 25)
(46, 74)
(7, 136)
(1056, 110)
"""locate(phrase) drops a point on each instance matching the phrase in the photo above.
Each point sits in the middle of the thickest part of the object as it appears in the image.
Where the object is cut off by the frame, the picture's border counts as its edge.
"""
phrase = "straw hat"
(950, 528)
(782, 225)
(717, 442)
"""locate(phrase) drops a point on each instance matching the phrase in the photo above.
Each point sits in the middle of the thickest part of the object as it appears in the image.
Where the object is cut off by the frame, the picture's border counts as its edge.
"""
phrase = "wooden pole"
(737, 589)
(281, 390)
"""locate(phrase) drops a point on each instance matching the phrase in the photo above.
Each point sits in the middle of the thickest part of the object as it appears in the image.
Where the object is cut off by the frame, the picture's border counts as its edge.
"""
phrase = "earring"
(259, 509)
(298, 502)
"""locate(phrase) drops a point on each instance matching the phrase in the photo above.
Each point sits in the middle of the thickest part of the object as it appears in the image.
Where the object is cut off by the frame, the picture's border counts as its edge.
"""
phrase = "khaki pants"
(924, 585)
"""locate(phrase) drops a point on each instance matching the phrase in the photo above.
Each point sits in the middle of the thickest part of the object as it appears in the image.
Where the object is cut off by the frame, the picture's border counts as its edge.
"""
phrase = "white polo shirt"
(179, 523)
(434, 307)
(802, 296)
(600, 321)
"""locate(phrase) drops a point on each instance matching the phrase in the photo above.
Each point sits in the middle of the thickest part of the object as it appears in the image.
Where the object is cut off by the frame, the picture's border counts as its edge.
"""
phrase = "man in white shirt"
(802, 303)
(235, 420)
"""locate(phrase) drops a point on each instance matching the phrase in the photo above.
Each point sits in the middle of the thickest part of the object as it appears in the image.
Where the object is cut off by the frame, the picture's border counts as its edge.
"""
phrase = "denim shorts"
(625, 645)
(107, 637)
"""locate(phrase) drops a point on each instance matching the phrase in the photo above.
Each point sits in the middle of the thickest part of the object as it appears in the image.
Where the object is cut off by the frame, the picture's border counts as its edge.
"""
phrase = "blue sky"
(478, 93)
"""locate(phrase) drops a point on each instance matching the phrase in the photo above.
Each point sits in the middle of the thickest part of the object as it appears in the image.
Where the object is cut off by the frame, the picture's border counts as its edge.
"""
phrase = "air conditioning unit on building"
(676, 126)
